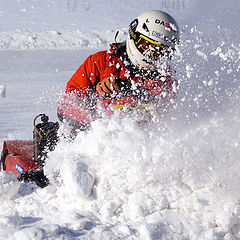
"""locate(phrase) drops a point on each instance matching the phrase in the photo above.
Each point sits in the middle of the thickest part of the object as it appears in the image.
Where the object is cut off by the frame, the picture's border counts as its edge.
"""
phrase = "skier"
(140, 62)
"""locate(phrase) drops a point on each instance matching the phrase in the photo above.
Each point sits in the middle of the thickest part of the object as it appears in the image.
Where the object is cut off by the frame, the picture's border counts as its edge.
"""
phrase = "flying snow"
(175, 179)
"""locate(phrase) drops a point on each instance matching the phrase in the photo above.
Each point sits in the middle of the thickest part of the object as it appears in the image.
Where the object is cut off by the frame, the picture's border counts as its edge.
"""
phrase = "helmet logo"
(167, 25)
(161, 36)
(145, 27)
(134, 24)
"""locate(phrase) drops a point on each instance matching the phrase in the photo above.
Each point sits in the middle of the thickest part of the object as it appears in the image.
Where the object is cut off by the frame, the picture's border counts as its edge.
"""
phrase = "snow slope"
(177, 179)
(69, 24)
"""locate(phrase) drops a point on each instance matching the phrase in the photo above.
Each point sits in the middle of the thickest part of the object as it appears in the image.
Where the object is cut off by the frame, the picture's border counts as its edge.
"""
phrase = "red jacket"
(99, 66)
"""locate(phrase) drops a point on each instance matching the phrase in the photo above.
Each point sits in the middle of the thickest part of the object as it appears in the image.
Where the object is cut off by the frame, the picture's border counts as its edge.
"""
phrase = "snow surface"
(177, 179)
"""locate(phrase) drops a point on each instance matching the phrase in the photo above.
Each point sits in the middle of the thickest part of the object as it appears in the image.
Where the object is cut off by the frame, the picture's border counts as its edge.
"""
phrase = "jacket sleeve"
(87, 74)
(72, 107)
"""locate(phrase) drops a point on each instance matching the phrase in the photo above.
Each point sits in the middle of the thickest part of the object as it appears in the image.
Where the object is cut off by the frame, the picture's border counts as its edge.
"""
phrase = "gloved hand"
(107, 86)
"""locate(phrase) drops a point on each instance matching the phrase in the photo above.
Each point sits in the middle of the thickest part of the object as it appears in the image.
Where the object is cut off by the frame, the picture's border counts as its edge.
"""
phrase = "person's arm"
(73, 107)
(86, 75)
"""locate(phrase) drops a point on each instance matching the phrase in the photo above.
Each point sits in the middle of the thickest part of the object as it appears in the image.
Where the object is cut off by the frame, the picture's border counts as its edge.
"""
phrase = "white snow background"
(176, 180)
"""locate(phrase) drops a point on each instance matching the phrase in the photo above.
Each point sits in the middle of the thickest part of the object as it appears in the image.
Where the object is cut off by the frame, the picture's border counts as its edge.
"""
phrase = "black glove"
(107, 86)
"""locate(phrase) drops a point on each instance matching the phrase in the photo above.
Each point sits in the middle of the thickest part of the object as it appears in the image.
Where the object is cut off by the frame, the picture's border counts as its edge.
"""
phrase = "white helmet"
(150, 35)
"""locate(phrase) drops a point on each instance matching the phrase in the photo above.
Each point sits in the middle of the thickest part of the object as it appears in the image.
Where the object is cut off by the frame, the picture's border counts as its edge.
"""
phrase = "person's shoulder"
(99, 53)
(103, 57)
(97, 57)
(115, 49)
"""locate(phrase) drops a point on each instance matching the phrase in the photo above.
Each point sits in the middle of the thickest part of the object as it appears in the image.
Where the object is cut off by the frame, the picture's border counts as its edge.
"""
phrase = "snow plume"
(120, 181)
(208, 67)
(153, 180)
(177, 179)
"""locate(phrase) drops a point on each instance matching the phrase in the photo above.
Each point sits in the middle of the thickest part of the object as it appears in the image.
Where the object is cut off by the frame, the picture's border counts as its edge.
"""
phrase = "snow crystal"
(202, 54)
(173, 26)
(210, 83)
(2, 91)
(127, 74)
(118, 65)
(189, 70)
(217, 51)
